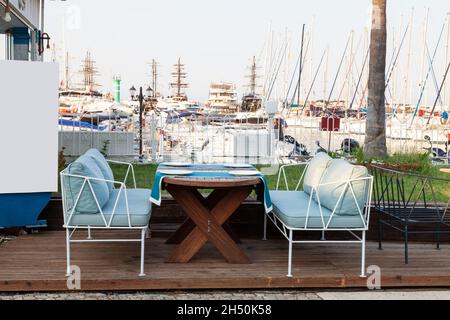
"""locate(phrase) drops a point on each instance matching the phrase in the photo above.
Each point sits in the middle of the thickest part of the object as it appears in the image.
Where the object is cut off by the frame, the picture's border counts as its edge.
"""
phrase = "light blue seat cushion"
(338, 172)
(138, 204)
(292, 208)
(315, 171)
(86, 166)
(103, 165)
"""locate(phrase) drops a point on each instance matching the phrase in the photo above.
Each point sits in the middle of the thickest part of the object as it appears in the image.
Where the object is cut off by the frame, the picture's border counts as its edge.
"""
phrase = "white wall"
(29, 127)
(30, 10)
(77, 143)
(2, 46)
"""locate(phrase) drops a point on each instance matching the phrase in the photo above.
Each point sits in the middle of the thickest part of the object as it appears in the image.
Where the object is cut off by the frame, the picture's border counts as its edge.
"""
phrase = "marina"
(175, 127)
(291, 146)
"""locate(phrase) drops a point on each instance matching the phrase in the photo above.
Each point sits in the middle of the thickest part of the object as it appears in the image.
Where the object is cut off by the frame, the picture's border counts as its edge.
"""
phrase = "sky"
(217, 39)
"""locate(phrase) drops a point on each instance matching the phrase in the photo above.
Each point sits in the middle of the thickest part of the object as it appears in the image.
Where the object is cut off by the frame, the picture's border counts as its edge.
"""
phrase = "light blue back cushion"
(86, 166)
(103, 165)
(315, 171)
(341, 171)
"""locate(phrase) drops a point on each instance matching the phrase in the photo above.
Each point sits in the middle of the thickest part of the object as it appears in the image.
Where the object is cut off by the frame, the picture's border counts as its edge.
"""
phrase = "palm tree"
(375, 145)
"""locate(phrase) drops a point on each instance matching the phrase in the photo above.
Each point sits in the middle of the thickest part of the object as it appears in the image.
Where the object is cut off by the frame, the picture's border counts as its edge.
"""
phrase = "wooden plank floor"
(37, 263)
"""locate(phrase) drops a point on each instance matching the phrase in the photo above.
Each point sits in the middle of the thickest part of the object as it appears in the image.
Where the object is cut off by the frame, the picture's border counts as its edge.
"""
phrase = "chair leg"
(290, 254)
(323, 236)
(143, 233)
(363, 255)
(265, 227)
(89, 237)
(406, 246)
(380, 233)
(148, 233)
(438, 238)
(68, 252)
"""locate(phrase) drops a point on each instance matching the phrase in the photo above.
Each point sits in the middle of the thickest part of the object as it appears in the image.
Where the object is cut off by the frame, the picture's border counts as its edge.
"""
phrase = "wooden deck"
(37, 263)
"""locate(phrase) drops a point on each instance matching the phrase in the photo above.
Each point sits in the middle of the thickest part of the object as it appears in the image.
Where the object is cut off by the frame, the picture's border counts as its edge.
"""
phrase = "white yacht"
(222, 98)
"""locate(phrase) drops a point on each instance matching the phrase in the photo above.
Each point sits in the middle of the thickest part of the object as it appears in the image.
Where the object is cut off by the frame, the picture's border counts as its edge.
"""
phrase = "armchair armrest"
(87, 184)
(130, 169)
(121, 184)
(282, 172)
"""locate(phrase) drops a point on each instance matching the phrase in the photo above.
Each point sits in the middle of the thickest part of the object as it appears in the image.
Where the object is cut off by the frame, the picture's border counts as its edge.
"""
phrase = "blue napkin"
(159, 177)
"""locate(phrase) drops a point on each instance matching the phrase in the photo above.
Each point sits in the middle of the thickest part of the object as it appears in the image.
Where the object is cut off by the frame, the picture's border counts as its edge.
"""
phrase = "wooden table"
(207, 216)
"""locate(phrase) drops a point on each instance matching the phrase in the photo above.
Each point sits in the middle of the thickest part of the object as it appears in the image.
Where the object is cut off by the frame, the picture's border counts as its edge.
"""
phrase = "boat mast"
(311, 88)
(425, 33)
(394, 102)
(266, 60)
(424, 83)
(337, 75)
(325, 77)
(300, 66)
(439, 93)
(155, 78)
(408, 63)
(278, 65)
(286, 63)
(89, 72)
(294, 74)
(311, 59)
(179, 76)
(436, 85)
(446, 58)
(360, 78)
(253, 76)
(66, 71)
(251, 101)
(366, 46)
(397, 55)
(350, 59)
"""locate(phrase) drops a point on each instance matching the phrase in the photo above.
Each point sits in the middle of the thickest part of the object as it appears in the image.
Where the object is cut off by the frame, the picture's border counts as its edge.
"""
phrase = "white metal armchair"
(92, 201)
(336, 197)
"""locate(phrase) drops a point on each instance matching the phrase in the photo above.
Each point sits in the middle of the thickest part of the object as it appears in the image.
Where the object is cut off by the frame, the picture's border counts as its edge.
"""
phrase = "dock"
(36, 263)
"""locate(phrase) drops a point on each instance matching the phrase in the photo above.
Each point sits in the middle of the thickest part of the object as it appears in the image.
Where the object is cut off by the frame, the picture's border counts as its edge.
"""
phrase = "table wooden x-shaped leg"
(207, 217)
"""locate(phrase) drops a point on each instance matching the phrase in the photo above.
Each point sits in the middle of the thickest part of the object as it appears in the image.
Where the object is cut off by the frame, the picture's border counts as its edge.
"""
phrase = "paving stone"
(234, 295)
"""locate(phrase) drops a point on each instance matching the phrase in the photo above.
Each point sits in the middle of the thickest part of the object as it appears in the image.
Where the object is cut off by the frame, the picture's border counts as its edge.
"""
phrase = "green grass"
(420, 164)
(293, 175)
(145, 175)
(441, 188)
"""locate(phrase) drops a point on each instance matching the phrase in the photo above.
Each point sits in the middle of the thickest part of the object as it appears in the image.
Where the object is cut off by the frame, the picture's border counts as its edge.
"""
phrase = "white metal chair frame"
(69, 213)
(288, 232)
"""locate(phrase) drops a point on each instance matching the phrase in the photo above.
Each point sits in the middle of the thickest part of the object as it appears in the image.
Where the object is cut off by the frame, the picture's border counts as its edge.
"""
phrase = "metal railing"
(249, 138)
(196, 132)
(408, 203)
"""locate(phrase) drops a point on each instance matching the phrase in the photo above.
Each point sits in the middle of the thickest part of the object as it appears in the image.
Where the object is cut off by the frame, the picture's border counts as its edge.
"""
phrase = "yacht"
(222, 98)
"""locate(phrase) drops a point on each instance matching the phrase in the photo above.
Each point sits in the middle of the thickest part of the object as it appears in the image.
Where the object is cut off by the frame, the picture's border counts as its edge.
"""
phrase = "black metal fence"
(409, 203)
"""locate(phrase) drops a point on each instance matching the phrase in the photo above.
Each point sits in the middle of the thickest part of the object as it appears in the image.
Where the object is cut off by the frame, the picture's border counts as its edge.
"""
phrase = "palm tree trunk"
(375, 145)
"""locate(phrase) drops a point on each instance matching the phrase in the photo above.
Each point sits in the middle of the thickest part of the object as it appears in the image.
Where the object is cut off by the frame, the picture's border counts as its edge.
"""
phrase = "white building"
(22, 34)
(28, 151)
